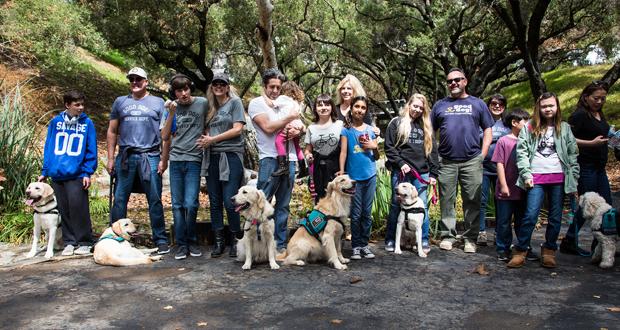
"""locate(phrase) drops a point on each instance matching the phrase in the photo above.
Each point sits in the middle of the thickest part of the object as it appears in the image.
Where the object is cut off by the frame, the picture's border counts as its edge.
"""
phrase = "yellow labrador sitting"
(257, 244)
(411, 215)
(46, 216)
(326, 245)
(114, 249)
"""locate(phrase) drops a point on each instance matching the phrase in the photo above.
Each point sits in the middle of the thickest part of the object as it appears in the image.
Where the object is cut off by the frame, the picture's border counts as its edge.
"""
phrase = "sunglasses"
(456, 80)
(496, 104)
(135, 79)
(219, 84)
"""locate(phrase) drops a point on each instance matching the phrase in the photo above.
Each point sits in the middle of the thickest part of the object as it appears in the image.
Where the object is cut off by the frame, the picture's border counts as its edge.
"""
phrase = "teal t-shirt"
(360, 164)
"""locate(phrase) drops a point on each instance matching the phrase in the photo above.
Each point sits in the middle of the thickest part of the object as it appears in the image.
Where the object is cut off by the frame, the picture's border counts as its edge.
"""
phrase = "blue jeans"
(184, 188)
(488, 192)
(282, 188)
(535, 197)
(152, 189)
(220, 191)
(594, 179)
(361, 208)
(422, 188)
(505, 210)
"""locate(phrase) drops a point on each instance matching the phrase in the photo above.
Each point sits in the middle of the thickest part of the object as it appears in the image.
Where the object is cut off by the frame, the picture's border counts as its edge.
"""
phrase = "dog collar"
(110, 236)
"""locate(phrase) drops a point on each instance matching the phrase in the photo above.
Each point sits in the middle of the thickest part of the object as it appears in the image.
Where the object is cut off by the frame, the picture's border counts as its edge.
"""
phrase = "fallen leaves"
(335, 321)
(481, 269)
(355, 279)
(201, 324)
(168, 307)
(614, 309)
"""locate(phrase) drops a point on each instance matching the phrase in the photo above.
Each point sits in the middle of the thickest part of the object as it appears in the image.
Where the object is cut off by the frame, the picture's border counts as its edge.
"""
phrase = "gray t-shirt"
(138, 121)
(228, 114)
(324, 139)
(190, 120)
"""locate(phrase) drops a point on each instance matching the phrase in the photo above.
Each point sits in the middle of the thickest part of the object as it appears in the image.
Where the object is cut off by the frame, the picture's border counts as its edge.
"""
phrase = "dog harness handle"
(434, 195)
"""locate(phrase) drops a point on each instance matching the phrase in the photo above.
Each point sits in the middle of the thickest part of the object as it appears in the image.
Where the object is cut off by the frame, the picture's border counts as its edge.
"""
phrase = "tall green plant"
(19, 156)
(383, 197)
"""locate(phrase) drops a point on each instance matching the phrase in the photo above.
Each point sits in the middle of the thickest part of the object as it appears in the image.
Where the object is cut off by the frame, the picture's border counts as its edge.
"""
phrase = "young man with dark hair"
(69, 159)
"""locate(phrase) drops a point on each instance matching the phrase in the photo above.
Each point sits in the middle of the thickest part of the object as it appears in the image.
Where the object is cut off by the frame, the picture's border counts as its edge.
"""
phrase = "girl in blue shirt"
(358, 144)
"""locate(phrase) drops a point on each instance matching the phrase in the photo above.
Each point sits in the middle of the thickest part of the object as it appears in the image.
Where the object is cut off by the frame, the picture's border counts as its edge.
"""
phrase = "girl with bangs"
(547, 163)
(412, 157)
(323, 144)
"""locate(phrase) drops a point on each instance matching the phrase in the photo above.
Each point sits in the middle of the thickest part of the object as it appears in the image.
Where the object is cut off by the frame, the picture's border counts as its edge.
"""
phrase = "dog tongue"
(29, 202)
(238, 208)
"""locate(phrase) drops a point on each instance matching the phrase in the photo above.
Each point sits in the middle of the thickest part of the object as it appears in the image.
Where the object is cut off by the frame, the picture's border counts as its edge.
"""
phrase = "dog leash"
(573, 211)
(434, 194)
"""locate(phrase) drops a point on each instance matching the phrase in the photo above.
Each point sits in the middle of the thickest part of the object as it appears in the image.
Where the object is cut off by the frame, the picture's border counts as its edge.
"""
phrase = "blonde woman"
(349, 88)
(222, 163)
(412, 157)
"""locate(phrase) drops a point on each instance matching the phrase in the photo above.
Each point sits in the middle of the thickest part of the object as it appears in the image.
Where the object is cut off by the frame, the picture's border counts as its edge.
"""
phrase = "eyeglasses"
(135, 79)
(496, 104)
(219, 84)
(456, 80)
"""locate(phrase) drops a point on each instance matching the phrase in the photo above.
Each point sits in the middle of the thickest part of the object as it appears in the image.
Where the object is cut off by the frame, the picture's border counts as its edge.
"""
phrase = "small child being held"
(291, 98)
(510, 198)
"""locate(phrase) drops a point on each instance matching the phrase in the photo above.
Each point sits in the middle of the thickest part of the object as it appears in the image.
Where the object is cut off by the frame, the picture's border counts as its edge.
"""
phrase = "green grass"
(567, 82)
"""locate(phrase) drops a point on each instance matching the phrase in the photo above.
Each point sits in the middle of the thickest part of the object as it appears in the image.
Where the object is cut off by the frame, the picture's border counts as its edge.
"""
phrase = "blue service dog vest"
(314, 222)
(609, 223)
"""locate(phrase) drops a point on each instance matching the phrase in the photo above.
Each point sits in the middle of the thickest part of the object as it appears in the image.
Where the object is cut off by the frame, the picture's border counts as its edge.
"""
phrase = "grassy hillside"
(567, 83)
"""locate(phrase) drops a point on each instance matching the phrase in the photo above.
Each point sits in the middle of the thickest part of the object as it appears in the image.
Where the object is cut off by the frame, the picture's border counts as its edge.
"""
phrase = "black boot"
(303, 169)
(282, 167)
(233, 246)
(218, 248)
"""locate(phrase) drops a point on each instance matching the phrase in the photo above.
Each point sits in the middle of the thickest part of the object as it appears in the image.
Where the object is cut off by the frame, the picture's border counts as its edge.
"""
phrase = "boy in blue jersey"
(69, 159)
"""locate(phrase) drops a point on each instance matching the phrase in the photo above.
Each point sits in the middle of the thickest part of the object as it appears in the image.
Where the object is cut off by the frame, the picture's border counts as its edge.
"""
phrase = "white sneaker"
(68, 251)
(446, 244)
(356, 255)
(470, 247)
(82, 250)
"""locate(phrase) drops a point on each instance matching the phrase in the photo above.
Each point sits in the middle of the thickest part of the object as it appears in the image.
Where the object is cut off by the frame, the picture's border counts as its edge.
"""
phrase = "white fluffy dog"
(257, 244)
(327, 244)
(411, 215)
(114, 249)
(46, 216)
(593, 208)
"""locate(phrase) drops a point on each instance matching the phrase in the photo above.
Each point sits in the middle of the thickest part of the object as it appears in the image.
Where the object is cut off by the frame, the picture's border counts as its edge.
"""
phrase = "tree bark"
(264, 31)
(612, 75)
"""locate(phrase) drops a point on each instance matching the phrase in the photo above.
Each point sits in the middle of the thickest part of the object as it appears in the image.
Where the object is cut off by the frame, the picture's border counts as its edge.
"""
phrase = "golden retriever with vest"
(411, 216)
(114, 249)
(304, 247)
(258, 243)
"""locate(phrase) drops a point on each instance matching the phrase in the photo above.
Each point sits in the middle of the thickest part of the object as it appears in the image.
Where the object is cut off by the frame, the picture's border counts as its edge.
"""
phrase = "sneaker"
(503, 256)
(446, 244)
(469, 247)
(82, 250)
(68, 251)
(181, 253)
(531, 255)
(482, 238)
(356, 255)
(426, 248)
(194, 251)
(163, 248)
(367, 252)
(389, 246)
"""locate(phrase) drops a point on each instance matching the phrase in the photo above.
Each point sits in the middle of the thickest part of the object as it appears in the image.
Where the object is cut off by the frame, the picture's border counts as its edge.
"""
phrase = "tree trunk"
(612, 75)
(264, 29)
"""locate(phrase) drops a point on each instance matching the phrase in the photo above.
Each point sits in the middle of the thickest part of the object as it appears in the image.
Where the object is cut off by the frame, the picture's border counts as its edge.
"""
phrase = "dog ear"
(48, 191)
(116, 227)
(589, 205)
(330, 188)
(260, 199)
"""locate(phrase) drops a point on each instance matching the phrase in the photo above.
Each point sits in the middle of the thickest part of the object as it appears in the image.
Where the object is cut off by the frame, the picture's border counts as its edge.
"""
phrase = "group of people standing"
(479, 146)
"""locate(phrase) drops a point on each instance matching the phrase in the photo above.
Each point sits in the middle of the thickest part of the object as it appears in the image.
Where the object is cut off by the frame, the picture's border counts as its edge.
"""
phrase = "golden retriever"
(114, 249)
(305, 247)
(40, 196)
(411, 215)
(257, 244)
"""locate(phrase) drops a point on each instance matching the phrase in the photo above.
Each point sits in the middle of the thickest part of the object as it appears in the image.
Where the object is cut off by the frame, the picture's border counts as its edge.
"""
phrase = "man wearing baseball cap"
(134, 125)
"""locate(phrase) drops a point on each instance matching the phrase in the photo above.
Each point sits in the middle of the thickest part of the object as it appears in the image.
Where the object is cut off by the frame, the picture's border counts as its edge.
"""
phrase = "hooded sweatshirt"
(70, 148)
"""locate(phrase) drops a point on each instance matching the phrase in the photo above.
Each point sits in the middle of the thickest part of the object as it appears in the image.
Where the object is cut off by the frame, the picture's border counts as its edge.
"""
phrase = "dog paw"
(344, 260)
(605, 265)
(49, 255)
(155, 258)
(275, 266)
(300, 263)
(398, 251)
(31, 254)
(340, 267)
(246, 267)
(422, 255)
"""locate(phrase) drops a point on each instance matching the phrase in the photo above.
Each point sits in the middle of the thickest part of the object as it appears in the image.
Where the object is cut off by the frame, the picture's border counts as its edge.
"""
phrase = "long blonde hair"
(213, 104)
(404, 127)
(356, 85)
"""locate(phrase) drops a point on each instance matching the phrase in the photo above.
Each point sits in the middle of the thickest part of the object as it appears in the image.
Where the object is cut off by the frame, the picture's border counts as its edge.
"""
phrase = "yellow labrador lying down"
(114, 249)
(257, 244)
(325, 245)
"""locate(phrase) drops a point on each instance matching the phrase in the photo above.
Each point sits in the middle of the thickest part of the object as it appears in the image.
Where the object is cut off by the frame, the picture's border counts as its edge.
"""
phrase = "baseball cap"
(136, 71)
(220, 77)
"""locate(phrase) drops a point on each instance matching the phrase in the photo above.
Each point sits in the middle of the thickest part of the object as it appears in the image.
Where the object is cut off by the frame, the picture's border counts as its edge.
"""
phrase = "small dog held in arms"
(411, 215)
(319, 237)
(603, 219)
(257, 244)
(40, 196)
(114, 249)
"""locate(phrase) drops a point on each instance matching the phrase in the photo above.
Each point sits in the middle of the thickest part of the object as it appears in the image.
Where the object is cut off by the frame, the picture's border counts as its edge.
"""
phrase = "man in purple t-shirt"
(459, 118)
